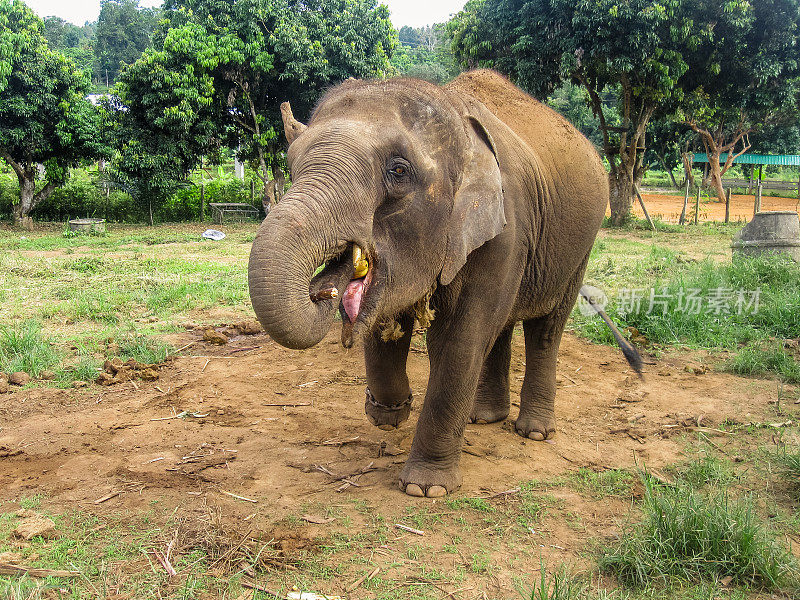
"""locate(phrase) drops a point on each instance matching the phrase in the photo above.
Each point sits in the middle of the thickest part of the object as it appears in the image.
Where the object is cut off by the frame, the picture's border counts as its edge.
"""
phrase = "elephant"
(470, 207)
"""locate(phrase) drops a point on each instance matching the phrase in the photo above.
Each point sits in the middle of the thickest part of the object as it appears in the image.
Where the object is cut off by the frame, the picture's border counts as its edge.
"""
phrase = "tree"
(46, 123)
(123, 33)
(633, 48)
(425, 53)
(218, 71)
(571, 101)
(745, 76)
(72, 41)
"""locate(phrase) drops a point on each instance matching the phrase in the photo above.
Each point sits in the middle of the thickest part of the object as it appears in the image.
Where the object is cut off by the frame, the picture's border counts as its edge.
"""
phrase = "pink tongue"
(352, 298)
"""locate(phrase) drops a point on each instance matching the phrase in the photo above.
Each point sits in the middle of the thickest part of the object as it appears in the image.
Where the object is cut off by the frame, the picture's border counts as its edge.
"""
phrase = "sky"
(415, 13)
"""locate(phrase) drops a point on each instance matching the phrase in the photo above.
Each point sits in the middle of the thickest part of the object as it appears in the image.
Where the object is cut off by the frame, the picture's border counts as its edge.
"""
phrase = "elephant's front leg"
(457, 352)
(388, 402)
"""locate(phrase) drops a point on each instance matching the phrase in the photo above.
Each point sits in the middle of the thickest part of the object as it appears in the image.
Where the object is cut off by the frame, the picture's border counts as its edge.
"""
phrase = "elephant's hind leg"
(492, 400)
(542, 338)
(388, 401)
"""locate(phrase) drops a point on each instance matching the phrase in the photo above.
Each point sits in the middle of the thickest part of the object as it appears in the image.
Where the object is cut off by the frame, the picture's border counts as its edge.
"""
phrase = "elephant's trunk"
(289, 246)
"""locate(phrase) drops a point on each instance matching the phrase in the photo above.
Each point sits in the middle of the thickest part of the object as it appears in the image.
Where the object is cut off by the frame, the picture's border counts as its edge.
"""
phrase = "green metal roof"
(755, 159)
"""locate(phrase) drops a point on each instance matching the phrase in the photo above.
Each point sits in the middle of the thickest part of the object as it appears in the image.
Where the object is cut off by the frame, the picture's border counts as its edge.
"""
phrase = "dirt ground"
(283, 428)
(668, 207)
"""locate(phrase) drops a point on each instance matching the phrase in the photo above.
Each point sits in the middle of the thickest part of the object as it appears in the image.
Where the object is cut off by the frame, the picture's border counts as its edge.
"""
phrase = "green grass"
(113, 295)
(24, 348)
(789, 462)
(705, 471)
(143, 348)
(737, 323)
(765, 358)
(603, 484)
(694, 537)
(561, 585)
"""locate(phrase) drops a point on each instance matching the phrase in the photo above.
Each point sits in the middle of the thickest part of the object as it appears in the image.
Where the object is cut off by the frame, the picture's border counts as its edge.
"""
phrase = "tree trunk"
(280, 181)
(715, 175)
(621, 196)
(20, 212)
(668, 170)
(688, 163)
(28, 197)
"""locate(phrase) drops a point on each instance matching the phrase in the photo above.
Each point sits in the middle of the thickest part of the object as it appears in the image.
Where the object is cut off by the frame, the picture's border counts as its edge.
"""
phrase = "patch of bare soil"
(253, 431)
(668, 208)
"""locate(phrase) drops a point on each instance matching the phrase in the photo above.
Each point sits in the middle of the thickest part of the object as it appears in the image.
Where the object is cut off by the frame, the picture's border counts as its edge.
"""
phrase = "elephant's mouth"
(349, 276)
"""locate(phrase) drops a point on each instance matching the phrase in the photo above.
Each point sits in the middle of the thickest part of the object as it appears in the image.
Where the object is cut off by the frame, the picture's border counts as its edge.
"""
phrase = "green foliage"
(44, 115)
(76, 43)
(123, 33)
(698, 537)
(22, 348)
(424, 53)
(218, 71)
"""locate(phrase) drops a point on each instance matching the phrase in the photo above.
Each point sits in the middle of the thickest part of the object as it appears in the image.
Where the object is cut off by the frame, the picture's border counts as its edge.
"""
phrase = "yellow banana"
(360, 263)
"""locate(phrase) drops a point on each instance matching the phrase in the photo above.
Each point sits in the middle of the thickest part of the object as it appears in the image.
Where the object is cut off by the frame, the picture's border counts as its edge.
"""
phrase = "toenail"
(436, 491)
(412, 489)
(535, 435)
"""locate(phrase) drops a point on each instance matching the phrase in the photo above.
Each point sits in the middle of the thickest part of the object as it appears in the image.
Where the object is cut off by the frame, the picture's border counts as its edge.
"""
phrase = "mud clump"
(115, 371)
(33, 525)
(249, 327)
(212, 336)
(19, 378)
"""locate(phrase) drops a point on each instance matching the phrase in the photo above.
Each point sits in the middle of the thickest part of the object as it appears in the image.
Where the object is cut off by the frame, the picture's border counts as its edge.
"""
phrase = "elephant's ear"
(292, 128)
(478, 213)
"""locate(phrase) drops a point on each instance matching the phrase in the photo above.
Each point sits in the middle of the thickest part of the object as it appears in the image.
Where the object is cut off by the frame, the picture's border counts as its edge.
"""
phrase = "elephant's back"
(552, 137)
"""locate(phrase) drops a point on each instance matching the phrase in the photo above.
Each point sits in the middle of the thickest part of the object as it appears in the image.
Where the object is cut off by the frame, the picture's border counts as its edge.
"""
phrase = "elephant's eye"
(398, 168)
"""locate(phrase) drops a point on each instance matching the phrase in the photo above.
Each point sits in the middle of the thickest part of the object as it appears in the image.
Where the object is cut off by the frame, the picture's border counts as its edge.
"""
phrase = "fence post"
(682, 220)
(728, 205)
(644, 208)
(697, 206)
(202, 201)
(757, 207)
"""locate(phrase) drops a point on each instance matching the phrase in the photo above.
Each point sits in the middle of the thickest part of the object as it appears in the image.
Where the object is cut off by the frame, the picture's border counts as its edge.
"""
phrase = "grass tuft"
(698, 537)
(562, 585)
(144, 349)
(761, 359)
(23, 348)
(612, 482)
(706, 470)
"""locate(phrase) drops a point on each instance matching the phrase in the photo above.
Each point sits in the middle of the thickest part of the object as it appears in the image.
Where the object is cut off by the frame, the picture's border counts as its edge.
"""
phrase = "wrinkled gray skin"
(496, 218)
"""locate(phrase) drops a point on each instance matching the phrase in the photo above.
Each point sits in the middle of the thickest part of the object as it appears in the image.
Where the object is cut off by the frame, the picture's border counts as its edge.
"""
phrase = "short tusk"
(360, 262)
(326, 294)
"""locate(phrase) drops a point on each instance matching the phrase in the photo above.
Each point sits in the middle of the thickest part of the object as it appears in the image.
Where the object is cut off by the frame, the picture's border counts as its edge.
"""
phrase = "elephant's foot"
(424, 479)
(488, 412)
(387, 417)
(536, 426)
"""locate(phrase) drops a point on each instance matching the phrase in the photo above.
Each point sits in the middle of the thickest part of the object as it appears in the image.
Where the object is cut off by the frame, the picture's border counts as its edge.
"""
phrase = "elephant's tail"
(628, 349)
